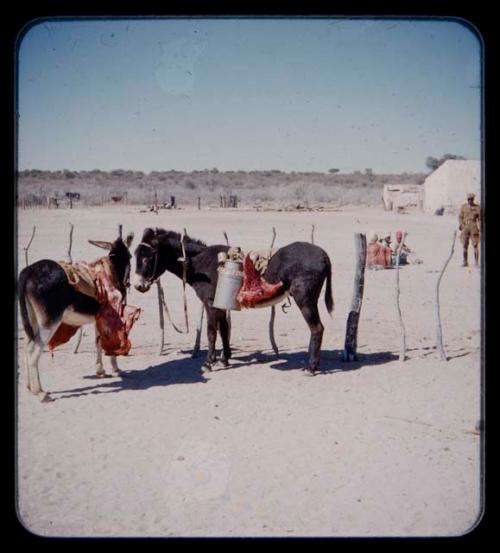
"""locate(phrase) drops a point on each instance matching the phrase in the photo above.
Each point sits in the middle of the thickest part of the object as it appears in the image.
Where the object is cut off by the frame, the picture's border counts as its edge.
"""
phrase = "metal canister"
(229, 281)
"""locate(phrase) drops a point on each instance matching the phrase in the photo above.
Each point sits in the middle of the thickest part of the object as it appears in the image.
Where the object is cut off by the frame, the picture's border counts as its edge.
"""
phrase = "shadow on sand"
(188, 371)
(331, 361)
(177, 371)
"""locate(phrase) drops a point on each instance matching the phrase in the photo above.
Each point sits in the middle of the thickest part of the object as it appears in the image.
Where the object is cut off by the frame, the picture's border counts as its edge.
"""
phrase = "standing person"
(469, 222)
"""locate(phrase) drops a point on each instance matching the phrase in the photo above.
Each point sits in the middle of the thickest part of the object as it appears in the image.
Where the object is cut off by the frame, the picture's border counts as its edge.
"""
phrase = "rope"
(160, 289)
(183, 260)
(164, 303)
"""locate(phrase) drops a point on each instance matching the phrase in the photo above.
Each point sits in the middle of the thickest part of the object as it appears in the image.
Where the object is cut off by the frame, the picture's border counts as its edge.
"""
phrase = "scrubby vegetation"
(272, 187)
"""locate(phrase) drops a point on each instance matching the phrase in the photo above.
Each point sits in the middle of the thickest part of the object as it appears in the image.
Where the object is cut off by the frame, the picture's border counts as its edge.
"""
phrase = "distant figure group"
(382, 253)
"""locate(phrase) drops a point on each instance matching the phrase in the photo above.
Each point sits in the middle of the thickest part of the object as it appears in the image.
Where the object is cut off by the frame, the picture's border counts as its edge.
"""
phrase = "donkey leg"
(224, 331)
(114, 366)
(30, 345)
(311, 315)
(27, 364)
(33, 354)
(99, 369)
(100, 372)
(211, 336)
(35, 350)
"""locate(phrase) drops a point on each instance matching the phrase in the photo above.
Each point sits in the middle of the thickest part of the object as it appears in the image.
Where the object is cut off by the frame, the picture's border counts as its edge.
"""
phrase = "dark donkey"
(301, 267)
(47, 299)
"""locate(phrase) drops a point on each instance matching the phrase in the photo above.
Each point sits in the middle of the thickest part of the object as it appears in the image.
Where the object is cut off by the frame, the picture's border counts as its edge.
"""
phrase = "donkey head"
(146, 260)
(119, 256)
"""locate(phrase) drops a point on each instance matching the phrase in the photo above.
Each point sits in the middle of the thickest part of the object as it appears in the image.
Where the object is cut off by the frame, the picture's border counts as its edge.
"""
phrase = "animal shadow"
(177, 371)
(332, 361)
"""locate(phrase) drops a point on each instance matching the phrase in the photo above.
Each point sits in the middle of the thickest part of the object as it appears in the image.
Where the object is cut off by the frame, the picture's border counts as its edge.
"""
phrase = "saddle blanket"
(114, 319)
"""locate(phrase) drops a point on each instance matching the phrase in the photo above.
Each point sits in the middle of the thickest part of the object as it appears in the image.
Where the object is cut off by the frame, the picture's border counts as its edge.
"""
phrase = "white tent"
(449, 184)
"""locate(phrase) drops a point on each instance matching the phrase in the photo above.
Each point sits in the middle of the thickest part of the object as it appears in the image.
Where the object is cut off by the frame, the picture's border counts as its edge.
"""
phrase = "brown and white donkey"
(55, 299)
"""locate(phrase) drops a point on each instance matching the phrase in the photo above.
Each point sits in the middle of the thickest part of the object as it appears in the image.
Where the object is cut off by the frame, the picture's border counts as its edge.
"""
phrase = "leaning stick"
(184, 276)
(439, 333)
(196, 348)
(29, 244)
(197, 340)
(274, 238)
(402, 349)
(70, 259)
(80, 333)
(159, 289)
(351, 333)
(273, 310)
(312, 234)
(228, 312)
(271, 331)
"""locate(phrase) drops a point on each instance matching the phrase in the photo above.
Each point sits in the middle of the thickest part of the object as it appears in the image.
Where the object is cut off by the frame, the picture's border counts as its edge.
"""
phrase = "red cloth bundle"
(255, 288)
(378, 255)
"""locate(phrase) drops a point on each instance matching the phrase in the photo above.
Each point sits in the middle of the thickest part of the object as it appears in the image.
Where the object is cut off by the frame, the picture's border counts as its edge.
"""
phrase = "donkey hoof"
(206, 367)
(101, 374)
(118, 372)
(309, 372)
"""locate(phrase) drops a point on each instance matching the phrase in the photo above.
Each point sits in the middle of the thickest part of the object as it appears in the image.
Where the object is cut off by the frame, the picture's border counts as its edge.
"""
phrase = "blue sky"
(247, 94)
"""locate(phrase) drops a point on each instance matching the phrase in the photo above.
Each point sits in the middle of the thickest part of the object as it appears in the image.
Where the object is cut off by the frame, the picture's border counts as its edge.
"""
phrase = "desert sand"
(377, 447)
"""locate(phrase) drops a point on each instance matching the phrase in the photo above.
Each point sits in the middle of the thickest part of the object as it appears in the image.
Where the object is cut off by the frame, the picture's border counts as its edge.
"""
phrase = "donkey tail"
(22, 292)
(328, 291)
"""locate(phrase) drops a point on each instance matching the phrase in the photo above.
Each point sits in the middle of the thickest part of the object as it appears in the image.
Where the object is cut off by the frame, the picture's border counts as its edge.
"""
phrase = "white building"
(399, 196)
(449, 184)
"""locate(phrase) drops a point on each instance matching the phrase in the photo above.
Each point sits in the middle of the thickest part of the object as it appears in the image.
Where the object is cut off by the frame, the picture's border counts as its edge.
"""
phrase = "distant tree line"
(433, 163)
(98, 187)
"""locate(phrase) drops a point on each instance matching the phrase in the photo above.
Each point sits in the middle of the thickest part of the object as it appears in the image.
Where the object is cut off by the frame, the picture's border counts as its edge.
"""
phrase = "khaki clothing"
(467, 235)
(469, 220)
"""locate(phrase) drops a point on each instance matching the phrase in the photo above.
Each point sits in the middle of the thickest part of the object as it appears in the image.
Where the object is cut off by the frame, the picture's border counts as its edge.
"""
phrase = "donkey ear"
(128, 239)
(101, 244)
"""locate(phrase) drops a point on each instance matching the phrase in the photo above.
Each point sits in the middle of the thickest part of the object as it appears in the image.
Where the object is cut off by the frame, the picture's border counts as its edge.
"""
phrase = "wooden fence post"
(228, 312)
(273, 311)
(29, 244)
(439, 332)
(70, 258)
(351, 334)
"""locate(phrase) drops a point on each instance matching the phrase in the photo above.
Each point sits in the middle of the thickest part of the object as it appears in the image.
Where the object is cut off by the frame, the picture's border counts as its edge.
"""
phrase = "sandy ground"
(387, 448)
